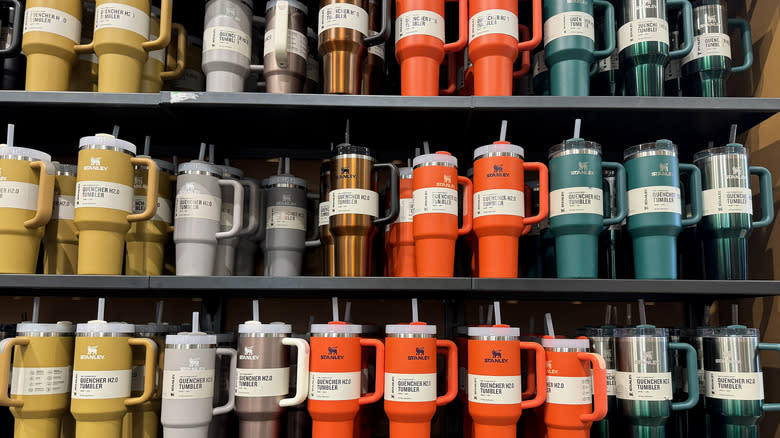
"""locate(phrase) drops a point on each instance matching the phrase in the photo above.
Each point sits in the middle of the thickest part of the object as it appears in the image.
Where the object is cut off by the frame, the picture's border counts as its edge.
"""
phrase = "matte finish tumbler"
(577, 205)
(27, 190)
(654, 209)
(402, 230)
(227, 44)
(727, 209)
(285, 46)
(52, 29)
(41, 378)
(225, 262)
(60, 242)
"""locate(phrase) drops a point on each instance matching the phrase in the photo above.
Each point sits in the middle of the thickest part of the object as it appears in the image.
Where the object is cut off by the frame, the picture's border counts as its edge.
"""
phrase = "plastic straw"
(734, 310)
(158, 314)
(202, 153)
(348, 312)
(628, 314)
(415, 316)
(706, 317)
(256, 310)
(335, 305)
(175, 160)
(36, 309)
(311, 321)
(408, 162)
(548, 323)
(642, 312)
(577, 126)
(195, 322)
(211, 154)
(346, 134)
(489, 319)
(147, 144)
(115, 132)
(10, 137)
(426, 148)
(497, 312)
(504, 124)
(286, 165)
(481, 316)
(614, 314)
(608, 316)
(227, 161)
(416, 152)
(101, 309)
(733, 134)
(279, 167)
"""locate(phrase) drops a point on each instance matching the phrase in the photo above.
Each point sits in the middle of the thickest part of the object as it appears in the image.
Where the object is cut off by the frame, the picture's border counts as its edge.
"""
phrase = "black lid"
(346, 149)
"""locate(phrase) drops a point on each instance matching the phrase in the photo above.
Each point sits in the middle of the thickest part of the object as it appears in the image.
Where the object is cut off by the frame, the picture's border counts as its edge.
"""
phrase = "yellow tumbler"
(60, 244)
(52, 29)
(85, 69)
(154, 69)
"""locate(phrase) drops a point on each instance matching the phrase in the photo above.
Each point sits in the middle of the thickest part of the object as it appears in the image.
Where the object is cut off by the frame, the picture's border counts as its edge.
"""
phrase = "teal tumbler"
(540, 74)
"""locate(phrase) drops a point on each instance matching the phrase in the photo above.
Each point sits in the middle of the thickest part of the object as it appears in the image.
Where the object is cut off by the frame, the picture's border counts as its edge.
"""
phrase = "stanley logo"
(346, 173)
(737, 174)
(249, 353)
(663, 170)
(94, 164)
(92, 354)
(498, 172)
(582, 169)
(419, 354)
(496, 357)
(333, 354)
(193, 363)
(447, 182)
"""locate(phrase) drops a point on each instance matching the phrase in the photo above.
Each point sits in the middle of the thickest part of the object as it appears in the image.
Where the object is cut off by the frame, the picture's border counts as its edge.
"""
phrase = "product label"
(435, 200)
(64, 207)
(324, 214)
(540, 65)
(137, 378)
(497, 390)
(39, 19)
(377, 50)
(198, 205)
(14, 194)
(353, 201)
(643, 386)
(94, 385)
(334, 386)
(569, 390)
(164, 211)
(405, 210)
(121, 16)
(285, 216)
(267, 382)
(419, 22)
(159, 55)
(296, 43)
(499, 201)
(492, 21)
(734, 386)
(343, 15)
(672, 70)
(103, 194)
(641, 30)
(611, 62)
(576, 200)
(654, 199)
(410, 387)
(709, 44)
(573, 23)
(227, 38)
(727, 200)
(611, 383)
(188, 384)
(40, 381)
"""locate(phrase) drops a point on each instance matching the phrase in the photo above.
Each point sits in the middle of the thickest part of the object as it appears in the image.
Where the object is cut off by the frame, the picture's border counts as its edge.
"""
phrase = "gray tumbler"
(227, 44)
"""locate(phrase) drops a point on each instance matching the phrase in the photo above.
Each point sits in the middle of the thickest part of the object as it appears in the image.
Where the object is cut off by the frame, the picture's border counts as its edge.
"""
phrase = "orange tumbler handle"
(544, 201)
(541, 376)
(537, 25)
(451, 70)
(530, 378)
(463, 27)
(452, 371)
(525, 57)
(467, 201)
(6, 348)
(379, 380)
(599, 387)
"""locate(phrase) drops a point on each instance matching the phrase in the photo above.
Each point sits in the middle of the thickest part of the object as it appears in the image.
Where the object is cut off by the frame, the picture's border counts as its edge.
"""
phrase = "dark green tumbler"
(654, 209)
(577, 206)
(540, 74)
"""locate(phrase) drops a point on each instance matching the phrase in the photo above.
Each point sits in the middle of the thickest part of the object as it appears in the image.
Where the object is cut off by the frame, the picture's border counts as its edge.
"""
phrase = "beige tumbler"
(60, 244)
(52, 29)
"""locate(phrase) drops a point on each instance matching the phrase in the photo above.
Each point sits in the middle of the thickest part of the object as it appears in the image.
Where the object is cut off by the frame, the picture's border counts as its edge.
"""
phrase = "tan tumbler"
(83, 77)
(60, 243)
(154, 69)
(52, 29)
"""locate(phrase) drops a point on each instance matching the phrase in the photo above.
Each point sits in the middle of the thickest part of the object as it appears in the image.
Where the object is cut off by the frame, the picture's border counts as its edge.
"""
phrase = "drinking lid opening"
(293, 3)
(501, 147)
(337, 327)
(258, 327)
(65, 169)
(97, 326)
(107, 140)
(276, 180)
(496, 330)
(727, 332)
(404, 329)
(581, 344)
(575, 146)
(443, 157)
(731, 148)
(201, 166)
(25, 153)
(660, 147)
(34, 327)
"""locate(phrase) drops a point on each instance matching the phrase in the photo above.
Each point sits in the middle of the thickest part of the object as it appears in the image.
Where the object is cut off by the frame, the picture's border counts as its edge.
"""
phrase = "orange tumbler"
(494, 45)
(500, 206)
(575, 398)
(402, 230)
(435, 197)
(334, 382)
(495, 380)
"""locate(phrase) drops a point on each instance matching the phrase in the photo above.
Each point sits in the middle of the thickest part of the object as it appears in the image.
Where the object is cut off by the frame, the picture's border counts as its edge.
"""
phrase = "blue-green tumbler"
(540, 74)
(570, 43)
(727, 209)
(643, 43)
(654, 208)
(577, 205)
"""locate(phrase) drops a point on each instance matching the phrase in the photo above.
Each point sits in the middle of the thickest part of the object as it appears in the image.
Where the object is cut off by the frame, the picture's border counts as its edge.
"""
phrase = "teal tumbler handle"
(747, 44)
(620, 193)
(609, 29)
(770, 407)
(695, 195)
(687, 34)
(692, 375)
(767, 204)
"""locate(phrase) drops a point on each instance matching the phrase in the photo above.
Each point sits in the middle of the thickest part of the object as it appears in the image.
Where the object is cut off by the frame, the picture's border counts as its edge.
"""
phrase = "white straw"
(36, 309)
(195, 322)
(706, 317)
(175, 160)
(642, 313)
(504, 124)
(311, 321)
(628, 314)
(202, 153)
(497, 311)
(227, 161)
(10, 137)
(158, 314)
(489, 319)
(211, 154)
(335, 305)
(608, 316)
(426, 148)
(549, 324)
(481, 316)
(147, 143)
(287, 166)
(733, 134)
(256, 310)
(577, 125)
(414, 310)
(348, 312)
(416, 152)
(115, 132)
(346, 134)
(101, 309)
(279, 166)
(734, 312)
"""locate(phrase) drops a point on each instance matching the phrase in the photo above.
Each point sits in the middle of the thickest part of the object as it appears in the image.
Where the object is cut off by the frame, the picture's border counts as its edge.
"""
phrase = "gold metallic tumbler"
(60, 242)
(52, 29)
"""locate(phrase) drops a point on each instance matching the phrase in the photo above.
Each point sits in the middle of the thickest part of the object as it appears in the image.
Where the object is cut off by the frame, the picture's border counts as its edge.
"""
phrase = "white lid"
(14, 151)
(65, 168)
(403, 329)
(494, 331)
(582, 344)
(97, 326)
(35, 327)
(201, 166)
(258, 327)
(152, 327)
(223, 338)
(232, 172)
(337, 328)
(499, 147)
(405, 172)
(190, 338)
(284, 179)
(438, 157)
(107, 140)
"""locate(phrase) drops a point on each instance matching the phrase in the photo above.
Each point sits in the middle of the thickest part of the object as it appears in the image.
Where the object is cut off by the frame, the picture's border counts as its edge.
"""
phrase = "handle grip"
(150, 369)
(765, 346)
(151, 190)
(315, 240)
(765, 193)
(609, 29)
(620, 194)
(468, 199)
(692, 375)
(384, 31)
(254, 207)
(15, 44)
(463, 28)
(451, 351)
(537, 28)
(181, 54)
(695, 197)
(525, 56)
(527, 193)
(281, 19)
(230, 404)
(302, 374)
(747, 44)
(451, 79)
(6, 348)
(541, 376)
(544, 193)
(599, 387)
(379, 380)
(687, 34)
(45, 195)
(394, 203)
(166, 16)
(238, 207)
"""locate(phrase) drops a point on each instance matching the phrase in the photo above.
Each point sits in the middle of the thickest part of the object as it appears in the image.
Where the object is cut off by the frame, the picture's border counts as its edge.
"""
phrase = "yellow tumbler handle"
(45, 195)
(162, 41)
(150, 366)
(181, 54)
(151, 190)
(6, 348)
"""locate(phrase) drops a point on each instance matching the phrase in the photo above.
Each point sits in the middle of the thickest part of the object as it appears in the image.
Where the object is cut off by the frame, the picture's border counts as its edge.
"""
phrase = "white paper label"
(576, 200)
(573, 23)
(188, 384)
(611, 384)
(654, 199)
(334, 386)
(63, 208)
(709, 44)
(499, 201)
(40, 381)
(611, 62)
(497, 390)
(324, 214)
(343, 15)
(137, 378)
(734, 386)
(103, 194)
(410, 387)
(727, 200)
(419, 22)
(14, 194)
(643, 386)
(49, 20)
(540, 65)
(287, 217)
(198, 205)
(435, 200)
(95, 385)
(267, 382)
(121, 16)
(159, 55)
(641, 30)
(227, 38)
(491, 21)
(353, 201)
(672, 70)
(569, 390)
(164, 212)
(296, 43)
(405, 210)
(377, 50)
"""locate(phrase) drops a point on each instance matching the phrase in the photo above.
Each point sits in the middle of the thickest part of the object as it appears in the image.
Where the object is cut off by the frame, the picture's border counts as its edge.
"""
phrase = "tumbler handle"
(747, 44)
(527, 193)
(463, 28)
(45, 195)
(468, 199)
(541, 376)
(599, 387)
(315, 240)
(537, 28)
(166, 16)
(254, 207)
(238, 207)
(609, 29)
(384, 31)
(692, 376)
(451, 351)
(151, 190)
(767, 205)
(451, 77)
(16, 38)
(544, 194)
(695, 195)
(281, 14)
(379, 380)
(766, 346)
(687, 34)
(181, 54)
(302, 374)
(6, 348)
(394, 206)
(150, 369)
(620, 193)
(229, 405)
(525, 56)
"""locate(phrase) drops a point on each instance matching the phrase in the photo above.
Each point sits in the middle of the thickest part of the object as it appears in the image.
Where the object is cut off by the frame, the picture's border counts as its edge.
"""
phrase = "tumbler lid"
(191, 338)
(731, 148)
(580, 344)
(201, 166)
(225, 338)
(408, 329)
(641, 330)
(107, 140)
(337, 327)
(597, 332)
(442, 158)
(574, 146)
(660, 147)
(405, 172)
(152, 328)
(231, 172)
(97, 326)
(65, 169)
(34, 327)
(15, 153)
(284, 180)
(495, 330)
(258, 327)
(727, 332)
(293, 3)
(500, 147)
(165, 165)
(349, 149)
